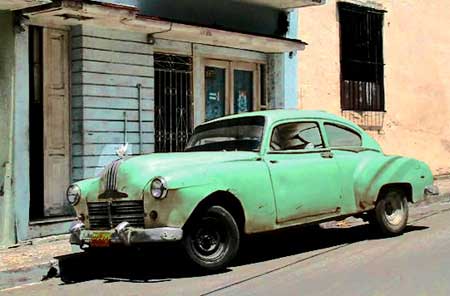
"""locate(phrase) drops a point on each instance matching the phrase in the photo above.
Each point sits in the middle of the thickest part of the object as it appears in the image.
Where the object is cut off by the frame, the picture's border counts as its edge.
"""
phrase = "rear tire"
(212, 239)
(391, 212)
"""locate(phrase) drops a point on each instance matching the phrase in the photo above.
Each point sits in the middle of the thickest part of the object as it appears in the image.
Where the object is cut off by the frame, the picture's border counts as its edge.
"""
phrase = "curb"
(37, 241)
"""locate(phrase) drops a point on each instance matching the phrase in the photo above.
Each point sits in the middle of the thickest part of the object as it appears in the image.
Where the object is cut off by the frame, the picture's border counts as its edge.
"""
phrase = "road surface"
(309, 261)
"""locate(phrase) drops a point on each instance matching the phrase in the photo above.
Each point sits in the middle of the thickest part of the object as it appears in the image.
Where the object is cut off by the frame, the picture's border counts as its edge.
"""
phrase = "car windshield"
(241, 134)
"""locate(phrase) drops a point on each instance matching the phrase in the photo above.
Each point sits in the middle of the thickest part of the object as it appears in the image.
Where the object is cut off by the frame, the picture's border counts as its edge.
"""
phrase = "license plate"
(100, 239)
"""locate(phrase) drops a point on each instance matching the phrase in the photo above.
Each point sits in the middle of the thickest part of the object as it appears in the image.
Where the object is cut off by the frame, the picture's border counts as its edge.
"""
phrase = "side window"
(342, 137)
(296, 136)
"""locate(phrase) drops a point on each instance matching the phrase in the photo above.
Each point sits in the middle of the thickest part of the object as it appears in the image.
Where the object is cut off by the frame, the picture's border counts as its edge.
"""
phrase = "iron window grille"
(362, 65)
(173, 100)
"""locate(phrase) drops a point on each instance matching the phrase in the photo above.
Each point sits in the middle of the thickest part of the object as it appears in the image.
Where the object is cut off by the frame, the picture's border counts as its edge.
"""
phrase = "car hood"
(134, 173)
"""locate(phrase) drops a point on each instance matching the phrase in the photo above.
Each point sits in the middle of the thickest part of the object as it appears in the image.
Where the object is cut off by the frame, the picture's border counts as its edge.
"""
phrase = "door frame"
(44, 86)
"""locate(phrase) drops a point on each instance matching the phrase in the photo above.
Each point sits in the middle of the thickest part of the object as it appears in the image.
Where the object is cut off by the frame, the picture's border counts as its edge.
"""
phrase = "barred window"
(362, 66)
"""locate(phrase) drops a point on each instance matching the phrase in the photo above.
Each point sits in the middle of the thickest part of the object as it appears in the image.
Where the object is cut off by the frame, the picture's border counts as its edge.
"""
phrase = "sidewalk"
(30, 261)
(33, 253)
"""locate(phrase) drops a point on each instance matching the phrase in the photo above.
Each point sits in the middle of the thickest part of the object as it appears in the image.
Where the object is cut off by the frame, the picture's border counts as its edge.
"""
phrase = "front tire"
(212, 239)
(391, 212)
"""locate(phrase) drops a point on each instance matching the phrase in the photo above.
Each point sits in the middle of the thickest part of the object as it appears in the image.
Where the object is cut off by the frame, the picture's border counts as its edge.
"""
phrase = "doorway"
(49, 122)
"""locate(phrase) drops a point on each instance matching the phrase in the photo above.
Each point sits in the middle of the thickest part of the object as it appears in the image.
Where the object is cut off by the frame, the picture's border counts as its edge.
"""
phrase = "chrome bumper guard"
(431, 190)
(124, 234)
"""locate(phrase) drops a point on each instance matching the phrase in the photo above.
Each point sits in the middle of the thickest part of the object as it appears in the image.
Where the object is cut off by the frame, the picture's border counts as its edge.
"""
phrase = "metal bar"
(125, 128)
(139, 87)
(177, 113)
(174, 71)
(164, 114)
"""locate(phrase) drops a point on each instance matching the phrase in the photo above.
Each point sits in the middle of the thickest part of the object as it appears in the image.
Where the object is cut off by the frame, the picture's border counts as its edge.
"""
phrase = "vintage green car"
(244, 174)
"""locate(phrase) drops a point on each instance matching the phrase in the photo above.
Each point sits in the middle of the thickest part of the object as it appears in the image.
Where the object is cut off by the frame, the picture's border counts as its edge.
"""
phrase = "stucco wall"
(417, 74)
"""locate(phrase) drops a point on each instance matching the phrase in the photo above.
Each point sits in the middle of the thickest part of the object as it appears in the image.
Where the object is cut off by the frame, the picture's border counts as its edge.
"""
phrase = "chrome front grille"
(110, 174)
(107, 215)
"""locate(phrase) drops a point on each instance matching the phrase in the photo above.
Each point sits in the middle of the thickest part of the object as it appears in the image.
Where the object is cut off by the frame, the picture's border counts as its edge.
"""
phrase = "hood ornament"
(122, 151)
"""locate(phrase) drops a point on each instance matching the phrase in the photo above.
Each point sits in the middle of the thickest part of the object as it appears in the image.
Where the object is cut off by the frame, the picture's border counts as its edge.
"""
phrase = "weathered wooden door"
(56, 121)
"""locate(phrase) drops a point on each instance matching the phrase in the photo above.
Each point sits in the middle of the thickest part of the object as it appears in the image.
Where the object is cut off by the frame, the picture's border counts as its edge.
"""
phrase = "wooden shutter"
(56, 121)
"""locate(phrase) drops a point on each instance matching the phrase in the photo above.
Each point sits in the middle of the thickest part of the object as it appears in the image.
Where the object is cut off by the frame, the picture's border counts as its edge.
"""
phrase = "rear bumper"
(431, 190)
(123, 234)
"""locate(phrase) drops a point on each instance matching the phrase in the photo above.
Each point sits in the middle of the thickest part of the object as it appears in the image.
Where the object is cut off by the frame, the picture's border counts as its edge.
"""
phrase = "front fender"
(194, 177)
(248, 181)
(177, 207)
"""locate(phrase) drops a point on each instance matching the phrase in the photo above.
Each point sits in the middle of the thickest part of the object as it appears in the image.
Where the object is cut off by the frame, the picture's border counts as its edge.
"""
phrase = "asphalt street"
(344, 260)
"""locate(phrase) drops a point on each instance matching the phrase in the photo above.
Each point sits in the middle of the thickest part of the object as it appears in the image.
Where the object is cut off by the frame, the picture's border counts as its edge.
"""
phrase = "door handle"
(273, 161)
(327, 154)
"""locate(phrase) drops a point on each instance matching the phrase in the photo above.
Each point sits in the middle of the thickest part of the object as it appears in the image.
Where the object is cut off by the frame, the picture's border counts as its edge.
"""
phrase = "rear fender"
(372, 176)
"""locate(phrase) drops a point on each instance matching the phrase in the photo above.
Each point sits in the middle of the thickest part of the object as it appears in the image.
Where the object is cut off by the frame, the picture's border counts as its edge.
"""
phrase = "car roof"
(281, 114)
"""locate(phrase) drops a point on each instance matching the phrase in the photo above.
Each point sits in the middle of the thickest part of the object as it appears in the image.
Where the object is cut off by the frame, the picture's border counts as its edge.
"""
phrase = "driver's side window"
(296, 136)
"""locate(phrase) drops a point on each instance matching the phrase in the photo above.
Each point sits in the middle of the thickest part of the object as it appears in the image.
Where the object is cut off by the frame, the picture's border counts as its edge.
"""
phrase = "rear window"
(342, 137)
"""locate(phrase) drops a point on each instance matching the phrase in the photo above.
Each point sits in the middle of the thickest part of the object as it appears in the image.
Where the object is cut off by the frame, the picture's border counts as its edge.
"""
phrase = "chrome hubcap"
(394, 210)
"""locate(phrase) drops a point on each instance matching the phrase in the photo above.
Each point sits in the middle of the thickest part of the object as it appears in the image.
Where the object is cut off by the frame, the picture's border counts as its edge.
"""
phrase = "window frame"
(296, 151)
(344, 127)
(230, 66)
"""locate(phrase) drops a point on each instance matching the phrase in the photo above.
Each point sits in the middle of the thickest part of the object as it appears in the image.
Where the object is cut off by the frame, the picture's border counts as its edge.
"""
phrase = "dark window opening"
(362, 65)
(263, 86)
(173, 99)
(36, 119)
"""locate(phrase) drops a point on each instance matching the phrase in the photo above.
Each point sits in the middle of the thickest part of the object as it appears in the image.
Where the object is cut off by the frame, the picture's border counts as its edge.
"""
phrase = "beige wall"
(417, 74)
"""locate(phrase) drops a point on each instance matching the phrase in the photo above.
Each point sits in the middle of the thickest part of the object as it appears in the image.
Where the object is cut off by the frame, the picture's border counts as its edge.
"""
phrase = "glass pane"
(243, 134)
(243, 91)
(296, 136)
(215, 92)
(341, 137)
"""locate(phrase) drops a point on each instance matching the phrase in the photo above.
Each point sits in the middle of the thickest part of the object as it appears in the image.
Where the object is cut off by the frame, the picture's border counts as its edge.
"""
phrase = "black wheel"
(212, 239)
(391, 212)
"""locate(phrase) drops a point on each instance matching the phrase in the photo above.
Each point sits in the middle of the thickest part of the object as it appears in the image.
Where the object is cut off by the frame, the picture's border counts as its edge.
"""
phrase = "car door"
(346, 146)
(304, 174)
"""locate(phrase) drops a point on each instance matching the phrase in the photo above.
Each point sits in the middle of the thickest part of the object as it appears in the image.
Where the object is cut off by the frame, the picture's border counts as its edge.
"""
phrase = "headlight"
(158, 188)
(73, 194)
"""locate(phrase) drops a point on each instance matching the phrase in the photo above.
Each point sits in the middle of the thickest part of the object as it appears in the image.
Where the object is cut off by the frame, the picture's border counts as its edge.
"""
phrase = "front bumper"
(123, 234)
(431, 190)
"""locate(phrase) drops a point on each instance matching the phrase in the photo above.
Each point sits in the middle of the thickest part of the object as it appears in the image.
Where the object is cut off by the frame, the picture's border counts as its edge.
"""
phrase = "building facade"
(79, 79)
(384, 65)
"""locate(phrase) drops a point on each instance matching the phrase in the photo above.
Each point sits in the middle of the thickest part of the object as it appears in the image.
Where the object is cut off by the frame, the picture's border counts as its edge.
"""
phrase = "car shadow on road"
(312, 238)
(165, 262)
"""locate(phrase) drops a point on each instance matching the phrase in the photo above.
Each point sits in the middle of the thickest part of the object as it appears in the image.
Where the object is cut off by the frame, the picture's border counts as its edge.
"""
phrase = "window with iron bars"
(362, 65)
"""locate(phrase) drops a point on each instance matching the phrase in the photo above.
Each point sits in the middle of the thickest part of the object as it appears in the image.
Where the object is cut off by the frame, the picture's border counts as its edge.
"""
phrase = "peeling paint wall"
(6, 95)
(107, 66)
(20, 148)
(417, 75)
(283, 78)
